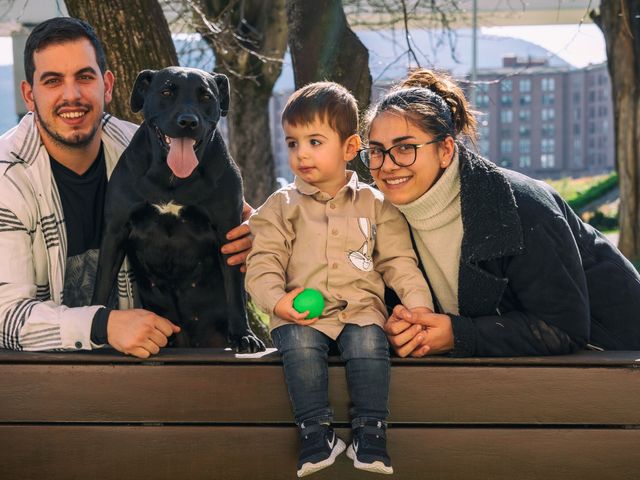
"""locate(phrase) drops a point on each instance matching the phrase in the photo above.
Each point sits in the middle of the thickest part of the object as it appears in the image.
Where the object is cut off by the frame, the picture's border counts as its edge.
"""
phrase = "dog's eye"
(206, 97)
(166, 92)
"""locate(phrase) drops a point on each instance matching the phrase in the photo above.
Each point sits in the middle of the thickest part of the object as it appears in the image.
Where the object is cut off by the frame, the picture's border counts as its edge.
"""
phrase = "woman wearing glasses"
(513, 269)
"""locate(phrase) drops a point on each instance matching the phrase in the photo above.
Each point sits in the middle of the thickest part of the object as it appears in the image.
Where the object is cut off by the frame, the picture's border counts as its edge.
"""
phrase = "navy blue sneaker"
(319, 447)
(369, 448)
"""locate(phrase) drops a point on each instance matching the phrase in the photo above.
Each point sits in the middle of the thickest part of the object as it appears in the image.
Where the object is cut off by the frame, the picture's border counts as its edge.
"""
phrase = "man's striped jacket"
(33, 244)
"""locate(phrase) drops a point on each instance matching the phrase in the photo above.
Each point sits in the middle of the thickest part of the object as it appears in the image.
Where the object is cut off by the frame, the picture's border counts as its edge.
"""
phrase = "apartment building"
(546, 122)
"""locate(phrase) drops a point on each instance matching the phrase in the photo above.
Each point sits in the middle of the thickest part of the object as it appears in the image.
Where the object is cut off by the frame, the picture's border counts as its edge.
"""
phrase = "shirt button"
(334, 266)
(78, 345)
(334, 231)
(332, 206)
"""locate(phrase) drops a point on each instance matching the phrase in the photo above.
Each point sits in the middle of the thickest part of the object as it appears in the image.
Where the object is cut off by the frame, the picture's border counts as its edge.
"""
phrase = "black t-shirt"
(82, 198)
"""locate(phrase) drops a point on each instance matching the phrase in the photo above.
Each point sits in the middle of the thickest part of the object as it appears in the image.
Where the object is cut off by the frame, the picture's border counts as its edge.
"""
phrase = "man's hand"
(240, 240)
(138, 332)
(284, 309)
(419, 332)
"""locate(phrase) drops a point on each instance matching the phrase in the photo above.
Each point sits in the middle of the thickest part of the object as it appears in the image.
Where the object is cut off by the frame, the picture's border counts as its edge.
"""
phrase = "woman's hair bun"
(446, 88)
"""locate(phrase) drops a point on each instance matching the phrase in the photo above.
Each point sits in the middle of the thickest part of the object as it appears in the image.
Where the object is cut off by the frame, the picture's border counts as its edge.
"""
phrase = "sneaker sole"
(375, 467)
(309, 468)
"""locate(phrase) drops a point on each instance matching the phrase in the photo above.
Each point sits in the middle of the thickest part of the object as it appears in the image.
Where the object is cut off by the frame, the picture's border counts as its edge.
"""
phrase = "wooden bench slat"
(256, 393)
(629, 359)
(230, 453)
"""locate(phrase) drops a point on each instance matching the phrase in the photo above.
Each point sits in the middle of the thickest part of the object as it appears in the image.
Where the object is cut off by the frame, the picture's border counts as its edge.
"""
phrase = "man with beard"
(54, 168)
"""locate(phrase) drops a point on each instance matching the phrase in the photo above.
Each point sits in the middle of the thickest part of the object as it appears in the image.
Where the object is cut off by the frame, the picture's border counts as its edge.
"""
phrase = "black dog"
(171, 199)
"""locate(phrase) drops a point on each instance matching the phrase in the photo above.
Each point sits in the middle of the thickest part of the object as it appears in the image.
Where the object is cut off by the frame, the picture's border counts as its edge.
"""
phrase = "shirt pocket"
(361, 237)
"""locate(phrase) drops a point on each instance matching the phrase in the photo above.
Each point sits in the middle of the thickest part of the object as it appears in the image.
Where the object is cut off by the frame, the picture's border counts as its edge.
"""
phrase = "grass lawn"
(570, 188)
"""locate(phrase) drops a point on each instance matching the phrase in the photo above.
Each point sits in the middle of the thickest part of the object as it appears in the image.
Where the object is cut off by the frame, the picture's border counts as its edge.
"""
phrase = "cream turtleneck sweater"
(436, 224)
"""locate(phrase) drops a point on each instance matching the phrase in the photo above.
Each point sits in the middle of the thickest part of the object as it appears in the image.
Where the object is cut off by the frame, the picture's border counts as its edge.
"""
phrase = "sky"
(6, 52)
(578, 45)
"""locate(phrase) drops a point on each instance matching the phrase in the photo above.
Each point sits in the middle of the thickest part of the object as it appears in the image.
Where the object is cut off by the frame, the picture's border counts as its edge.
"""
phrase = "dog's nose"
(188, 120)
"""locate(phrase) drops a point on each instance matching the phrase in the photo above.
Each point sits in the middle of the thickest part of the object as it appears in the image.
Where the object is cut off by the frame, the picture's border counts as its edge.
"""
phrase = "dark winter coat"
(534, 279)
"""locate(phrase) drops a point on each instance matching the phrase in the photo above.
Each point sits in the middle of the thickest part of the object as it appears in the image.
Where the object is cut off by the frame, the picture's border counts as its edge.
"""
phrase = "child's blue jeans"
(305, 351)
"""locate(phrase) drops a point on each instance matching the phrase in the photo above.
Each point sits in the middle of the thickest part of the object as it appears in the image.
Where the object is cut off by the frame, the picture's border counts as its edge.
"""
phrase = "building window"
(548, 130)
(483, 126)
(548, 84)
(525, 85)
(548, 114)
(576, 97)
(506, 86)
(525, 115)
(547, 145)
(482, 100)
(506, 100)
(576, 129)
(525, 99)
(576, 114)
(506, 116)
(577, 143)
(547, 160)
(483, 144)
(548, 98)
(525, 145)
(506, 146)
(524, 130)
(524, 161)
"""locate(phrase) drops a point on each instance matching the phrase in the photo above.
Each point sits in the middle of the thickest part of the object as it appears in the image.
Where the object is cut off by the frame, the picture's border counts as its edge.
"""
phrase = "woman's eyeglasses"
(402, 154)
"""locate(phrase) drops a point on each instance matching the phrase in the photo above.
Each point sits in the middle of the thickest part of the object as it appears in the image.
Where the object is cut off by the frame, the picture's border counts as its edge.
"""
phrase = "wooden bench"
(204, 414)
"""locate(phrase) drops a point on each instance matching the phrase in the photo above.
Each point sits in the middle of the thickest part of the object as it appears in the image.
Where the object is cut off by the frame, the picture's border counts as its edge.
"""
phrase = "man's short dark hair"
(60, 30)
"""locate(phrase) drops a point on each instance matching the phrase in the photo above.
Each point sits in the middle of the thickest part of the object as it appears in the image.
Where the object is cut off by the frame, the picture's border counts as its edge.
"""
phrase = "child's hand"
(405, 333)
(284, 309)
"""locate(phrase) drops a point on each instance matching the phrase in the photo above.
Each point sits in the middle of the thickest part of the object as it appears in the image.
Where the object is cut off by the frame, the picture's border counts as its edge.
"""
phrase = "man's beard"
(77, 140)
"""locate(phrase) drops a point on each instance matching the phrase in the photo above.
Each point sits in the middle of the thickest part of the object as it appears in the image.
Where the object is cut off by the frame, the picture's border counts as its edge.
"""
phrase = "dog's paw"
(247, 343)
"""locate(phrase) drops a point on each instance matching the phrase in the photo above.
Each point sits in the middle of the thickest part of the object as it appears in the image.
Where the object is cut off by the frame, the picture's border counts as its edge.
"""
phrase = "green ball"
(309, 299)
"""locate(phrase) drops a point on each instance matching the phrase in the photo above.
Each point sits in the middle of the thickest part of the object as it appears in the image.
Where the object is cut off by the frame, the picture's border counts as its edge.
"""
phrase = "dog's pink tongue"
(181, 158)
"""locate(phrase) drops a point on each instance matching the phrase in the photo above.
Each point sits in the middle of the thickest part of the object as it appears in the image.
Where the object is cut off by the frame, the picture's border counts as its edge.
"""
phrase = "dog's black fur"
(172, 228)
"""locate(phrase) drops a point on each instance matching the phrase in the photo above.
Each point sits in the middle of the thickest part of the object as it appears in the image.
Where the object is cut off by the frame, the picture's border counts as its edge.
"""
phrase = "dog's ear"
(222, 82)
(140, 88)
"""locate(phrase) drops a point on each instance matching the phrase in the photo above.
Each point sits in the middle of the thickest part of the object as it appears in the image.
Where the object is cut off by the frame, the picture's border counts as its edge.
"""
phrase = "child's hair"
(326, 101)
(433, 101)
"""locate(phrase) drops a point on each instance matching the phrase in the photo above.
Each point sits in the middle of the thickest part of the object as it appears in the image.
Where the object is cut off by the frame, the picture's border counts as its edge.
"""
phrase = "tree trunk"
(619, 21)
(135, 36)
(323, 47)
(249, 49)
